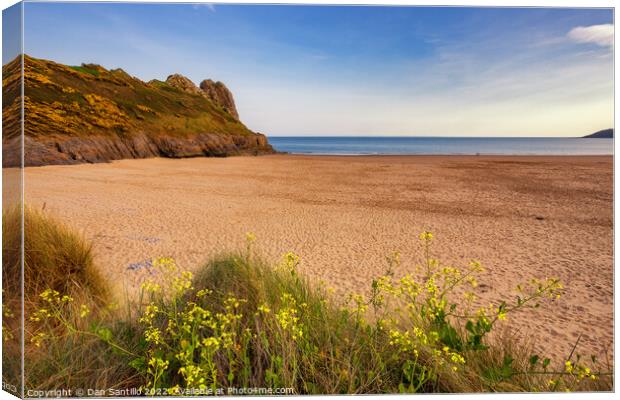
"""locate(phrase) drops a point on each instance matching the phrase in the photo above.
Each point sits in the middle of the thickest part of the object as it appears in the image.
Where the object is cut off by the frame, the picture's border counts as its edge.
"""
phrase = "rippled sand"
(520, 216)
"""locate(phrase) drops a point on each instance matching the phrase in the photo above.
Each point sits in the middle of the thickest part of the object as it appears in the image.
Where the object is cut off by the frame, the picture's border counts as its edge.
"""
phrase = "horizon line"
(434, 137)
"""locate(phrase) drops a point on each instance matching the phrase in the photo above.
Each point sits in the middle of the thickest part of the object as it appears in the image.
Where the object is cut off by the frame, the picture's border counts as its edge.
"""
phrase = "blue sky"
(335, 70)
(11, 33)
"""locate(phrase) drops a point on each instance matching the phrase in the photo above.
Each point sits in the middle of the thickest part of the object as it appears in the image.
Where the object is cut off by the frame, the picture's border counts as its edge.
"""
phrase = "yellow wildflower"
(37, 339)
(152, 335)
(150, 287)
(427, 236)
(84, 310)
(211, 343)
(203, 293)
(264, 309)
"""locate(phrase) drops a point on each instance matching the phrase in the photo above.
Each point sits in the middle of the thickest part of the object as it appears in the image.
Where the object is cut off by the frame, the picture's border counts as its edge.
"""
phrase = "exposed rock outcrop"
(220, 95)
(216, 92)
(185, 84)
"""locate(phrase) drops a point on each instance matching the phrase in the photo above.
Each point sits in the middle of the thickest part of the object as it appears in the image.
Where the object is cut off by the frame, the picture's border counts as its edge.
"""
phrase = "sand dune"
(520, 216)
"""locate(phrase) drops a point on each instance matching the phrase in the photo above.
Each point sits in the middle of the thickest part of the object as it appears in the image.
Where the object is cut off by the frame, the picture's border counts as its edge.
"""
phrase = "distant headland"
(604, 134)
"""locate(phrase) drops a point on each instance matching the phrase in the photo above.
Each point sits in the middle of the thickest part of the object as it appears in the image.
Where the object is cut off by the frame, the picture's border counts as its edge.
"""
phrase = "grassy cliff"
(87, 113)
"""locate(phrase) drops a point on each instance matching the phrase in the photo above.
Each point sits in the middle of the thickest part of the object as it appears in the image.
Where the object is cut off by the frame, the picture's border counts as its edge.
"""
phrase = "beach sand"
(521, 217)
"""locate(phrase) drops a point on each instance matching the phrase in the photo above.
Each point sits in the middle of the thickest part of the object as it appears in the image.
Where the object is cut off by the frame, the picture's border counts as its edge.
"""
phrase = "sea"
(341, 145)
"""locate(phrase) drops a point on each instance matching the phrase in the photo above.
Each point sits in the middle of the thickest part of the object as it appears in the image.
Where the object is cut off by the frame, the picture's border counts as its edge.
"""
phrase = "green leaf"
(534, 359)
(470, 326)
(475, 342)
(546, 362)
(507, 372)
(408, 369)
(139, 364)
(93, 327)
(104, 334)
(450, 337)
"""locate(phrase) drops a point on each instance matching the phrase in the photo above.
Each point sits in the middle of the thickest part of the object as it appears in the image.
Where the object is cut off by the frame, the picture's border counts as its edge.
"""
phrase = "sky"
(359, 71)
(11, 33)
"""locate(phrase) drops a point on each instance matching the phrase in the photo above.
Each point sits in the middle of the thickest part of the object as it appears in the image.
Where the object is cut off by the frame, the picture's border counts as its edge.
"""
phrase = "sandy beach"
(522, 217)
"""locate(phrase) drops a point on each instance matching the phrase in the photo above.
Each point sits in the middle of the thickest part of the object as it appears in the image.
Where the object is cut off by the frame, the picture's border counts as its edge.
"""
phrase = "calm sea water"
(442, 145)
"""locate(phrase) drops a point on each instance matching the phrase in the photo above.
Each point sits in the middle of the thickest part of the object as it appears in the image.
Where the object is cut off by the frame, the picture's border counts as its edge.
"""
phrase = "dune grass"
(58, 262)
(11, 297)
(242, 322)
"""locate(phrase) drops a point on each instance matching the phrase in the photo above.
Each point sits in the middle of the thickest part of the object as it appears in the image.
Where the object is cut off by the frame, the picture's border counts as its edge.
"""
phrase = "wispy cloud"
(602, 35)
(466, 87)
(198, 6)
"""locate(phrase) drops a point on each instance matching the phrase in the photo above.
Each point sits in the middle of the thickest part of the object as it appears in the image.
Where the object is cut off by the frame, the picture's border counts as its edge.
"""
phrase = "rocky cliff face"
(105, 148)
(89, 114)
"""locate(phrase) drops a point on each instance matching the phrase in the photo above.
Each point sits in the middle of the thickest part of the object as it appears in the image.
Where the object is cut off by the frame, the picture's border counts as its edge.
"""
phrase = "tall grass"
(58, 262)
(244, 323)
(11, 297)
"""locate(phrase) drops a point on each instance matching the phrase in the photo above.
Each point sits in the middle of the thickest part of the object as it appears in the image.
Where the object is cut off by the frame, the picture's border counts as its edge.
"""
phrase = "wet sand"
(522, 217)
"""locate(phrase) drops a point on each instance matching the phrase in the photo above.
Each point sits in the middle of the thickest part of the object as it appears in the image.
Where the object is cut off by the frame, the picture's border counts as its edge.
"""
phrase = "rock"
(185, 84)
(105, 148)
(219, 94)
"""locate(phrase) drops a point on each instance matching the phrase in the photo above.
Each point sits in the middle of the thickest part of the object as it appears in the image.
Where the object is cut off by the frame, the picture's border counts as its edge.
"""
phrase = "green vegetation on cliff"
(91, 114)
